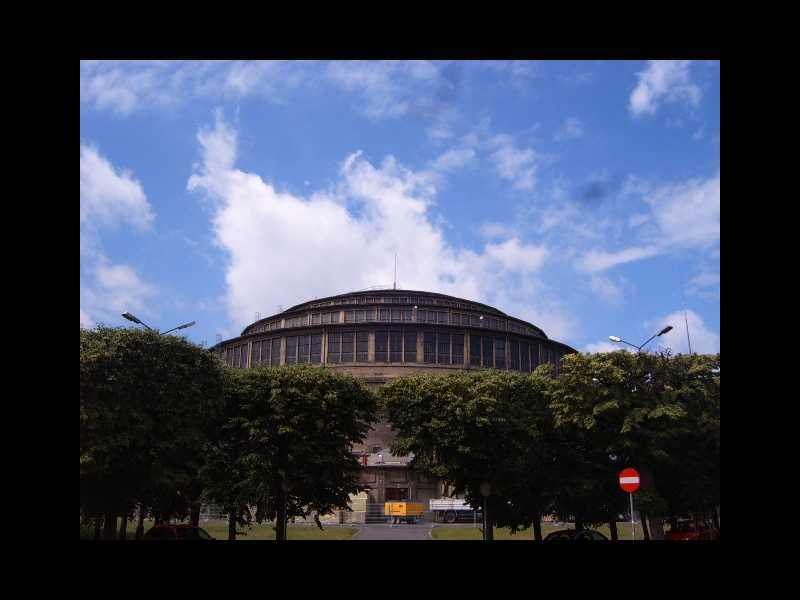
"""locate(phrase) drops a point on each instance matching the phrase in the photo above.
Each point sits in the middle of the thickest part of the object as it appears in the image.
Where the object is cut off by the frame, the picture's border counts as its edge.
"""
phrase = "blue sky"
(582, 196)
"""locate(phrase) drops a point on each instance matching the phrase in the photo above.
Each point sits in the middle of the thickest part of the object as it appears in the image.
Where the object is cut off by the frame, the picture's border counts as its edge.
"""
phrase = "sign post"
(629, 482)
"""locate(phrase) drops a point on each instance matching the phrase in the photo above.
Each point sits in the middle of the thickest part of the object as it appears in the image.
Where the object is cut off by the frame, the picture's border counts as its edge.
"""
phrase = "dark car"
(177, 532)
(689, 530)
(571, 535)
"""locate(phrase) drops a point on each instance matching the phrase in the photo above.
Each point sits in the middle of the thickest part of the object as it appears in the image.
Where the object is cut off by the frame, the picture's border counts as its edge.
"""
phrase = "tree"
(145, 402)
(468, 428)
(656, 412)
(301, 423)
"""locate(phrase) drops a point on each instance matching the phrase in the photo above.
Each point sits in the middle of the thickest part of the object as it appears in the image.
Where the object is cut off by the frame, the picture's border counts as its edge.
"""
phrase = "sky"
(581, 196)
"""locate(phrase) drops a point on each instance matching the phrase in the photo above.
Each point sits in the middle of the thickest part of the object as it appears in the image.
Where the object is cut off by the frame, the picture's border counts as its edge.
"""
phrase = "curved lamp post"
(135, 319)
(617, 340)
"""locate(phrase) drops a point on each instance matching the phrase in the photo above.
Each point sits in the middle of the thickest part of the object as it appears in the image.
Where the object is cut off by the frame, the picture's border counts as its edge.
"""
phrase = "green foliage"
(294, 428)
(146, 401)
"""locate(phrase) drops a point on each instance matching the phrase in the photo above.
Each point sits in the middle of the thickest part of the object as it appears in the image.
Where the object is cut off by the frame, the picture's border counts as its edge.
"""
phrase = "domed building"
(378, 336)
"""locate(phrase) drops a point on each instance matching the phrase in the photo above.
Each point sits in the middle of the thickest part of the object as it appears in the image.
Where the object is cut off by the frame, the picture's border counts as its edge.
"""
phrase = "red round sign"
(629, 480)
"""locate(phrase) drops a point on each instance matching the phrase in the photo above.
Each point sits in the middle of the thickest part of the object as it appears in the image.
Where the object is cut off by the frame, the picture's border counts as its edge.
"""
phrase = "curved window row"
(394, 346)
(398, 315)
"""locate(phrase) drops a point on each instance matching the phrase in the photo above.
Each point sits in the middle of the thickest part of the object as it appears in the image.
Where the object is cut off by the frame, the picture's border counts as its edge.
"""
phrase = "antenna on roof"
(258, 316)
(219, 338)
(280, 307)
(394, 284)
(686, 320)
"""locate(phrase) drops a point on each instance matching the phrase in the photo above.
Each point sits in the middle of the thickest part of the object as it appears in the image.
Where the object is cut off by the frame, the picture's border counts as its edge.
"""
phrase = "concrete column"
(371, 347)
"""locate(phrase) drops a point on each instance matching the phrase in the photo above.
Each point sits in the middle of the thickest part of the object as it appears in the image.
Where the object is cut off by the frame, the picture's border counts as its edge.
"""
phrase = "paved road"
(405, 531)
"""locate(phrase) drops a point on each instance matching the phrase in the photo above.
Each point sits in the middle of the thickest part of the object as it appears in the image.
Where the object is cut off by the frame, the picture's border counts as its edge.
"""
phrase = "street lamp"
(617, 340)
(137, 320)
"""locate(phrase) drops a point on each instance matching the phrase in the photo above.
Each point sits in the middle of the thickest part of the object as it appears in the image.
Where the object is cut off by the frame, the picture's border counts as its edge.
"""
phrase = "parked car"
(571, 535)
(690, 530)
(177, 532)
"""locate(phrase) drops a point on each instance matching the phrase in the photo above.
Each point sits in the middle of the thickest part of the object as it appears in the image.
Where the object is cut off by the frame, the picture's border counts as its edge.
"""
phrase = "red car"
(692, 530)
(177, 532)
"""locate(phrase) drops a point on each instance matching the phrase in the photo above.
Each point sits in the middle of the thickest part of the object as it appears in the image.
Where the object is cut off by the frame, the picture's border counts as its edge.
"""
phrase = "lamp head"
(614, 338)
(665, 330)
(130, 317)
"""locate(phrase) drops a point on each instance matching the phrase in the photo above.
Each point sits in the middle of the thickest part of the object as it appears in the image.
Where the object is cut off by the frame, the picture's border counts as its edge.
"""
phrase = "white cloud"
(600, 260)
(607, 291)
(453, 159)
(387, 88)
(663, 81)
(604, 347)
(704, 340)
(277, 257)
(688, 213)
(495, 230)
(126, 87)
(705, 285)
(570, 130)
(109, 197)
(517, 165)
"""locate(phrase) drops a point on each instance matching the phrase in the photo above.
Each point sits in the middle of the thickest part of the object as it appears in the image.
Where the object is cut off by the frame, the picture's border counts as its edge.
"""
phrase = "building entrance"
(396, 494)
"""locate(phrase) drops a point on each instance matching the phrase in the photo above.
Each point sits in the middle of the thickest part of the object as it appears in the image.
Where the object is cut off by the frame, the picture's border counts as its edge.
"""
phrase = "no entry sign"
(629, 480)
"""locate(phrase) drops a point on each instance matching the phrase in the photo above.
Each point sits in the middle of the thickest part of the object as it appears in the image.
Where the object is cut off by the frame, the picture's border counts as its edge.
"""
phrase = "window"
(514, 355)
(334, 347)
(406, 314)
(326, 318)
(535, 361)
(237, 356)
(334, 317)
(475, 350)
(316, 348)
(381, 346)
(396, 315)
(429, 347)
(488, 353)
(395, 346)
(255, 354)
(275, 359)
(291, 350)
(524, 359)
(443, 349)
(348, 346)
(500, 352)
(315, 319)
(458, 349)
(361, 316)
(442, 317)
(475, 320)
(362, 346)
(348, 316)
(229, 357)
(371, 314)
(303, 343)
(410, 346)
(383, 314)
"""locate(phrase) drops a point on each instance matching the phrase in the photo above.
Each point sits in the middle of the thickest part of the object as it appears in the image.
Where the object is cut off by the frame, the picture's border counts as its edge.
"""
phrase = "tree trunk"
(232, 526)
(195, 514)
(98, 526)
(123, 527)
(657, 528)
(537, 527)
(715, 517)
(578, 524)
(645, 530)
(280, 521)
(612, 526)
(110, 527)
(488, 526)
(140, 526)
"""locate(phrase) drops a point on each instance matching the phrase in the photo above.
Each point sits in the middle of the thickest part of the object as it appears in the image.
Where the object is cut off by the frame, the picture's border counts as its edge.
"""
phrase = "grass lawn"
(445, 532)
(219, 530)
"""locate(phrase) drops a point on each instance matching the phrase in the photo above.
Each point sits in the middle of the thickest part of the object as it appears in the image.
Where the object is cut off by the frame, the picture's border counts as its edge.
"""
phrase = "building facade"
(378, 336)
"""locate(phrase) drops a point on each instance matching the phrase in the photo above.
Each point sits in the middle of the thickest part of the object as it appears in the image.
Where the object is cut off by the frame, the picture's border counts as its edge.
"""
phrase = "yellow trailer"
(403, 511)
